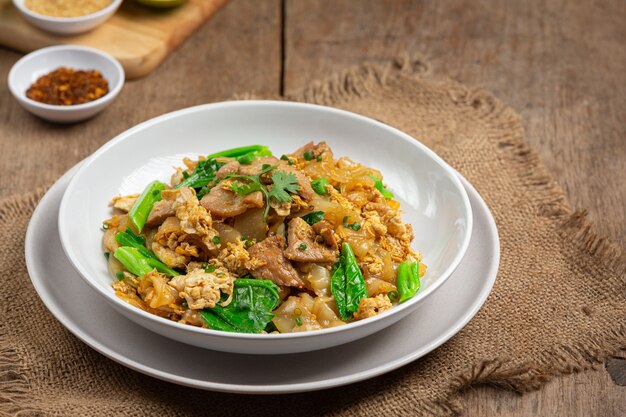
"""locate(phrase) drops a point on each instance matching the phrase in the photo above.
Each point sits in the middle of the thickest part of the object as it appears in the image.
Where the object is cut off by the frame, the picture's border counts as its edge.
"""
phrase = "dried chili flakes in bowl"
(67, 87)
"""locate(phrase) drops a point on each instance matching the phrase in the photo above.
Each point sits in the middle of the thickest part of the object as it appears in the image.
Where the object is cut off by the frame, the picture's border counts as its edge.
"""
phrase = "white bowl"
(432, 197)
(36, 64)
(68, 25)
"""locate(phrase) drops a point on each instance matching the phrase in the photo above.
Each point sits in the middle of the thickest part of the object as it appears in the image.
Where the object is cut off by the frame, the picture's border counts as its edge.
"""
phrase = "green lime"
(161, 3)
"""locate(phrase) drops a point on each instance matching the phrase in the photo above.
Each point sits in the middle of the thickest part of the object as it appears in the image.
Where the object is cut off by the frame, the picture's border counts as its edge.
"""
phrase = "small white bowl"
(36, 64)
(432, 197)
(67, 25)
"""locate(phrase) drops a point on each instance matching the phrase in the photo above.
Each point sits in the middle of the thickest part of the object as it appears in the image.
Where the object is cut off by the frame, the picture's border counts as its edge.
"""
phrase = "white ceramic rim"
(278, 388)
(21, 95)
(246, 336)
(77, 19)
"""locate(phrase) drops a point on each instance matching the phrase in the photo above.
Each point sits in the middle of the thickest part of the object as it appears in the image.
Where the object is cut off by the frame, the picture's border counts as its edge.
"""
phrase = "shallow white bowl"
(38, 63)
(68, 25)
(431, 195)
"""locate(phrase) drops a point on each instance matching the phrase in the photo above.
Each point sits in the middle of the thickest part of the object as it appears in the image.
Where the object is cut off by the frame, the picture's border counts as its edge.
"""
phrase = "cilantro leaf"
(284, 183)
(244, 189)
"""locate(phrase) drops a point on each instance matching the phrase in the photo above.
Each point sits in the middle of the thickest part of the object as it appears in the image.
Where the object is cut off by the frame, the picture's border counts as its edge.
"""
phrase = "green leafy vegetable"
(313, 217)
(319, 186)
(131, 240)
(378, 183)
(251, 156)
(347, 284)
(140, 211)
(241, 151)
(202, 176)
(408, 280)
(250, 310)
(132, 260)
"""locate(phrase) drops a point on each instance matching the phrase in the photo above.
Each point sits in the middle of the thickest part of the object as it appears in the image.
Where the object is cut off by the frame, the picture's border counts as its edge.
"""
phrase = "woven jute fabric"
(558, 305)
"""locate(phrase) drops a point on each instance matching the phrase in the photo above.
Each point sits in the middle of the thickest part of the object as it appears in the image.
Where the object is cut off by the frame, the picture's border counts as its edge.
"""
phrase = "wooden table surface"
(561, 64)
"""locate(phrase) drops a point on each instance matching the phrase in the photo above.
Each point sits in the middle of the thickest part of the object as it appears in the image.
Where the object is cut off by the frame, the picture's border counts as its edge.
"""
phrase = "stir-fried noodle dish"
(242, 241)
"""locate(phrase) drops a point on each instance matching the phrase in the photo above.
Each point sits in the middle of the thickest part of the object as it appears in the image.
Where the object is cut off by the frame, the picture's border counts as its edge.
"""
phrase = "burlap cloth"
(558, 305)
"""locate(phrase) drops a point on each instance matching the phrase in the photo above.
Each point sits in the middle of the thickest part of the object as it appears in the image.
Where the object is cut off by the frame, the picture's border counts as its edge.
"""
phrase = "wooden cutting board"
(139, 37)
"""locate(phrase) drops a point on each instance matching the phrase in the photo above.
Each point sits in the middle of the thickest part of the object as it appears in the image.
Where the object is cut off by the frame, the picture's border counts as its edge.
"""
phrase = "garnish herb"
(347, 284)
(283, 184)
(302, 246)
(298, 321)
(250, 310)
(140, 211)
(408, 280)
(319, 186)
(119, 275)
(378, 183)
(209, 268)
(393, 296)
(130, 240)
(216, 240)
(319, 158)
(313, 217)
(308, 156)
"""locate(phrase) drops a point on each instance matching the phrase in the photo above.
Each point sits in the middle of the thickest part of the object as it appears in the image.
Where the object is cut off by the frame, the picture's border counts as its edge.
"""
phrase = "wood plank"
(560, 64)
(139, 37)
(203, 69)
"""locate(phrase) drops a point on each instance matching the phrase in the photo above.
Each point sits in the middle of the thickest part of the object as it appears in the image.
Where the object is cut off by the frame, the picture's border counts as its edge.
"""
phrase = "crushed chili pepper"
(67, 87)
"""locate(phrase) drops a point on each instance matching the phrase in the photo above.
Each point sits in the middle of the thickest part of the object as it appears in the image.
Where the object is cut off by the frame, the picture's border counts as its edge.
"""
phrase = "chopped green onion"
(393, 296)
(298, 321)
(209, 268)
(319, 186)
(354, 226)
(308, 156)
(119, 275)
(313, 217)
(216, 240)
(378, 183)
(319, 158)
(302, 246)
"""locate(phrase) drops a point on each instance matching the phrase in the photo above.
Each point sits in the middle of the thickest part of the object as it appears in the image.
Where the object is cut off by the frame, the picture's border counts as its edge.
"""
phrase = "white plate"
(92, 320)
(432, 199)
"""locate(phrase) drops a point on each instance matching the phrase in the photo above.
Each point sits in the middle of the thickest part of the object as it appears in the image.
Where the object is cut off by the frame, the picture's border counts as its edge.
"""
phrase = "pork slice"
(231, 167)
(325, 230)
(314, 149)
(161, 210)
(277, 268)
(302, 245)
(221, 202)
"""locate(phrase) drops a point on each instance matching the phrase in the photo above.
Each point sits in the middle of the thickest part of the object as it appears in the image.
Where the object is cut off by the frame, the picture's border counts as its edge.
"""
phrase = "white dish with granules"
(71, 16)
